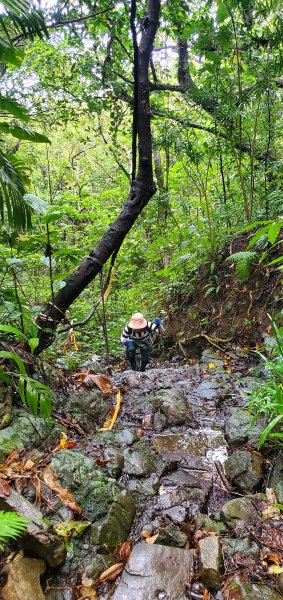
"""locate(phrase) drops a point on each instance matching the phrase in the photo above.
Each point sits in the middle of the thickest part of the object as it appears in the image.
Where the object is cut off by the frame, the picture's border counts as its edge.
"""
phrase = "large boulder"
(276, 480)
(209, 561)
(140, 459)
(103, 501)
(241, 509)
(239, 589)
(23, 582)
(155, 572)
(244, 470)
(93, 490)
(42, 540)
(172, 403)
(89, 407)
(240, 431)
(27, 431)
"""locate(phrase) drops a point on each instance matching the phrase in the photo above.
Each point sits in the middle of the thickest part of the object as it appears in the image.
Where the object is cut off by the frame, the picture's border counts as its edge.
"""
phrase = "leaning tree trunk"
(142, 189)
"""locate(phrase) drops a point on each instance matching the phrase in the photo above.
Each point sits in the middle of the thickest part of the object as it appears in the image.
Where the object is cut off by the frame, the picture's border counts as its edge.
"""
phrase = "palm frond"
(242, 261)
(13, 208)
(12, 526)
(24, 18)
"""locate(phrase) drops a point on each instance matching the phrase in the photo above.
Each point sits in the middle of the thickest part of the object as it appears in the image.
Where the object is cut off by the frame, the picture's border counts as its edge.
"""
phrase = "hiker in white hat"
(138, 334)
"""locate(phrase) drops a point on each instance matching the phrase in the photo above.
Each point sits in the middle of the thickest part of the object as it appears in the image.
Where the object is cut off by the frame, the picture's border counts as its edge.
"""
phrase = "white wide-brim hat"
(137, 321)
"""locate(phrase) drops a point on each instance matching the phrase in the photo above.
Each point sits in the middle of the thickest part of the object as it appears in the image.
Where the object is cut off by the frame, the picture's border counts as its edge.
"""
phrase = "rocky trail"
(174, 502)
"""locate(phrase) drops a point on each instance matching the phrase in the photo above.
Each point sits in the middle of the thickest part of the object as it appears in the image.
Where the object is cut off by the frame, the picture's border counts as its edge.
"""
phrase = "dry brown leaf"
(206, 594)
(266, 555)
(29, 464)
(49, 477)
(102, 381)
(87, 593)
(145, 534)
(5, 489)
(152, 539)
(113, 570)
(123, 551)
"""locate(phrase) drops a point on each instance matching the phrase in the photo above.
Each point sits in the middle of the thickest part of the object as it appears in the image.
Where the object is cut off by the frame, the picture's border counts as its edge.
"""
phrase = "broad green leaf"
(39, 206)
(33, 343)
(14, 108)
(10, 55)
(32, 397)
(17, 6)
(274, 231)
(45, 406)
(14, 330)
(21, 133)
(268, 429)
(52, 216)
(11, 355)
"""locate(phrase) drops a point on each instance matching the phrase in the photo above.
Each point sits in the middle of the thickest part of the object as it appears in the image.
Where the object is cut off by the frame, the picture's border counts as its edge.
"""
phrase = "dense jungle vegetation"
(71, 114)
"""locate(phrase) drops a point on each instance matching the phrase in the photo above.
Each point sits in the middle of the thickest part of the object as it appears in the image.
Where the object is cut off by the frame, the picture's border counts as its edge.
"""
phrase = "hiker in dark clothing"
(138, 334)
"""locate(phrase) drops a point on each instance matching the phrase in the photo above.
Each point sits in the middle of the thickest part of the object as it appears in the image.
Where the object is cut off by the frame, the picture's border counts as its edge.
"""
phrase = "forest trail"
(186, 521)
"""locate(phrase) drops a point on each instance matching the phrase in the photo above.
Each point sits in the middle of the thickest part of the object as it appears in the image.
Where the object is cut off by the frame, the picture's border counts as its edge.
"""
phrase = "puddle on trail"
(206, 443)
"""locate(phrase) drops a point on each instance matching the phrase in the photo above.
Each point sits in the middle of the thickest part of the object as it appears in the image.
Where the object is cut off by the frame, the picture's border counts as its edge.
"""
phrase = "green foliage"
(33, 394)
(267, 398)
(12, 526)
(242, 262)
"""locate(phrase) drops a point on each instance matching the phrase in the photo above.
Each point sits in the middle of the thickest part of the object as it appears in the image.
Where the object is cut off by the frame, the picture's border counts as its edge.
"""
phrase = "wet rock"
(9, 440)
(193, 499)
(62, 593)
(88, 407)
(155, 572)
(29, 432)
(144, 487)
(276, 480)
(125, 437)
(239, 431)
(241, 509)
(177, 514)
(23, 581)
(159, 421)
(42, 540)
(209, 561)
(172, 536)
(173, 405)
(244, 590)
(207, 524)
(244, 547)
(93, 490)
(208, 356)
(244, 470)
(94, 566)
(114, 527)
(140, 459)
(115, 461)
(197, 443)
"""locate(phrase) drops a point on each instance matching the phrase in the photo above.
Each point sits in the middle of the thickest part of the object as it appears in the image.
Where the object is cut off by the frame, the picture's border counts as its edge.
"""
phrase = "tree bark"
(142, 189)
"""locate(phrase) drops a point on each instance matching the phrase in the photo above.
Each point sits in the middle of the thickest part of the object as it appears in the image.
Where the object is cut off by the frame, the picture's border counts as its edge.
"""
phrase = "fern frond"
(12, 526)
(13, 208)
(242, 261)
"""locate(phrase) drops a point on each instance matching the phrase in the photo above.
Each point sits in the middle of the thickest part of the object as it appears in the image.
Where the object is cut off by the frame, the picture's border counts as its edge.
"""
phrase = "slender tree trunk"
(142, 189)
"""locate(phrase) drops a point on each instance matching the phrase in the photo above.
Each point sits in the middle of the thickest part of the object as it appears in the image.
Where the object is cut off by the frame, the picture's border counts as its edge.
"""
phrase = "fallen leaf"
(101, 381)
(113, 570)
(152, 539)
(5, 489)
(29, 464)
(145, 534)
(87, 593)
(211, 365)
(206, 594)
(49, 477)
(275, 570)
(123, 551)
(69, 528)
